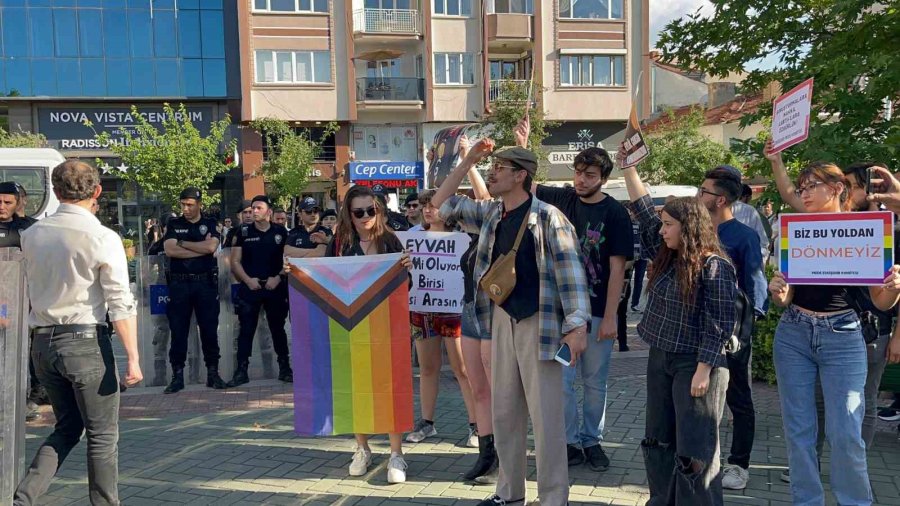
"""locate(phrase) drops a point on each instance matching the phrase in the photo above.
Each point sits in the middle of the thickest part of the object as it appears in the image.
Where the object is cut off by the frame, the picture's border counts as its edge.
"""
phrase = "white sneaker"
(472, 440)
(359, 466)
(735, 477)
(396, 469)
(421, 431)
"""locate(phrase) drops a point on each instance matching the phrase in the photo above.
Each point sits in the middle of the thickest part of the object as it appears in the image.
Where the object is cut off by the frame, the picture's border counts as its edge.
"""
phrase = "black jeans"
(739, 399)
(681, 448)
(276, 306)
(79, 373)
(640, 268)
(622, 316)
(200, 297)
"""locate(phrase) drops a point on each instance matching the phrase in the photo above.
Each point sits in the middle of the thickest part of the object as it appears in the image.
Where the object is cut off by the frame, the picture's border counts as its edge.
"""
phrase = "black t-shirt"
(9, 231)
(181, 229)
(392, 244)
(299, 237)
(262, 253)
(604, 230)
(821, 298)
(523, 301)
(230, 236)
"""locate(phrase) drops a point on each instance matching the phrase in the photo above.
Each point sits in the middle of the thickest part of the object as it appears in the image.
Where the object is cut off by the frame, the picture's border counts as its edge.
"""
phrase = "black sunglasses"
(359, 213)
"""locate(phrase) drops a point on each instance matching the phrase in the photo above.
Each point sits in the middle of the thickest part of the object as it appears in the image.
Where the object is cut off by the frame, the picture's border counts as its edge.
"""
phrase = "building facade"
(392, 73)
(65, 62)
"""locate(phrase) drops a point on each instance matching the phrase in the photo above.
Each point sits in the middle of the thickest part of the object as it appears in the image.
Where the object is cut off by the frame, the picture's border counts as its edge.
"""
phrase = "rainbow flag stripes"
(351, 345)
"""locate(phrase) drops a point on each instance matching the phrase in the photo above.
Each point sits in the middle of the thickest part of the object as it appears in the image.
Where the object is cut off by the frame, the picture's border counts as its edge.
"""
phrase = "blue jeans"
(830, 348)
(594, 366)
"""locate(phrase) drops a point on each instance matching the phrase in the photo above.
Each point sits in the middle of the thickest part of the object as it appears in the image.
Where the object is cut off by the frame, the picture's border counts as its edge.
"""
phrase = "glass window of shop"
(98, 48)
(395, 143)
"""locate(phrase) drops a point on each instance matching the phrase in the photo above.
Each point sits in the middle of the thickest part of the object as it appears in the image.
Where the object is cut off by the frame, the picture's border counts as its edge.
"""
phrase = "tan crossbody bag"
(500, 280)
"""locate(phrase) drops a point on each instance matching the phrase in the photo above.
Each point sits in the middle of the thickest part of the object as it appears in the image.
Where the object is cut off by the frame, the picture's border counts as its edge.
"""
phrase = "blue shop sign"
(366, 171)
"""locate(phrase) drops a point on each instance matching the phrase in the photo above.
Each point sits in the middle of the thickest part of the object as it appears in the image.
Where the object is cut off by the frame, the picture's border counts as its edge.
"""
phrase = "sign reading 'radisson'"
(65, 127)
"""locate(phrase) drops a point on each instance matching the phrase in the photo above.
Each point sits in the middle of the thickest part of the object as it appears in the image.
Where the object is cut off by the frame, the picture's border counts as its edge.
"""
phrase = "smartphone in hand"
(564, 355)
(869, 186)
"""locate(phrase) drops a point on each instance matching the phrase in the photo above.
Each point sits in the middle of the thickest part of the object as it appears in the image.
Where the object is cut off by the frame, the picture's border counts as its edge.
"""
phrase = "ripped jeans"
(681, 448)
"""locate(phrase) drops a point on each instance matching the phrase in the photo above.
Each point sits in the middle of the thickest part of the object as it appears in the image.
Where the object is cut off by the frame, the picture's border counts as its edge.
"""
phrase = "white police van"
(31, 167)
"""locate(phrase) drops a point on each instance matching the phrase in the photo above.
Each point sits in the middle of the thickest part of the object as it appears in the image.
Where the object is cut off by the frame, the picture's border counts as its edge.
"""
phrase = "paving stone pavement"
(237, 447)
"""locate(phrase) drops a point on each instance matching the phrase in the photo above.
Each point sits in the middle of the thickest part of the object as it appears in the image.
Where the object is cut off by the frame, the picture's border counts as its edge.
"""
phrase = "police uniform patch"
(277, 238)
(203, 229)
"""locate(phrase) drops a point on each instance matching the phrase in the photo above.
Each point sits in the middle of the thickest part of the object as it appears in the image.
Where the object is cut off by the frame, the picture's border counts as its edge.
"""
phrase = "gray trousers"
(523, 386)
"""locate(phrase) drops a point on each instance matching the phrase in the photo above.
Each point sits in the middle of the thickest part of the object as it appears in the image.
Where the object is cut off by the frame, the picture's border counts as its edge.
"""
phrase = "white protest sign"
(436, 272)
(790, 116)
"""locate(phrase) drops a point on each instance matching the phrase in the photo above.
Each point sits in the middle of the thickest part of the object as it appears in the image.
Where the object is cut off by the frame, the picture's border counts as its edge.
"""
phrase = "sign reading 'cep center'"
(365, 171)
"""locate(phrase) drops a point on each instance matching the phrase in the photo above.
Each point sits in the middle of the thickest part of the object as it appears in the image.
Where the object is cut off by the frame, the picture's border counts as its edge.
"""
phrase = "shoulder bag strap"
(515, 248)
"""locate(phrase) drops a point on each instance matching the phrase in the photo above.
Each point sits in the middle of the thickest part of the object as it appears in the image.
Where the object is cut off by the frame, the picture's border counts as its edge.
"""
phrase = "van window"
(34, 179)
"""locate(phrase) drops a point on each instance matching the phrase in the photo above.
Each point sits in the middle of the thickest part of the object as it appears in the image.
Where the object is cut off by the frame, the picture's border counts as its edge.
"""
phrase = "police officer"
(309, 237)
(23, 201)
(190, 243)
(396, 221)
(245, 217)
(257, 260)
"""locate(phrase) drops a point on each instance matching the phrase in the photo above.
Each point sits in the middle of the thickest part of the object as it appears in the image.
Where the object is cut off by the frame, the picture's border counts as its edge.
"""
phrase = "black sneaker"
(495, 500)
(596, 459)
(576, 455)
(888, 414)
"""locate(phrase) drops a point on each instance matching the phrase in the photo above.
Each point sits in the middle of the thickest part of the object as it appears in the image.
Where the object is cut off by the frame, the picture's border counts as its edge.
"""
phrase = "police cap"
(308, 204)
(191, 193)
(261, 198)
(9, 188)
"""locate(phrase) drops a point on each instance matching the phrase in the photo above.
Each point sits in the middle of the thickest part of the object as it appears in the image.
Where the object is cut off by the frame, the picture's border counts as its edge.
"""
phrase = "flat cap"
(522, 157)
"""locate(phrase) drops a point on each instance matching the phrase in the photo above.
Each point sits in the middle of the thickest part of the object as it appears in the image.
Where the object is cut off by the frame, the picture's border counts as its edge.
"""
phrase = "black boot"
(213, 380)
(240, 375)
(285, 373)
(487, 458)
(177, 383)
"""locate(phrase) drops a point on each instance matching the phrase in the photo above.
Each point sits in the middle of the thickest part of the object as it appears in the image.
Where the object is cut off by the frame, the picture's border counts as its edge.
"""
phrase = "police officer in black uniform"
(308, 238)
(23, 201)
(190, 243)
(257, 259)
(396, 221)
(245, 217)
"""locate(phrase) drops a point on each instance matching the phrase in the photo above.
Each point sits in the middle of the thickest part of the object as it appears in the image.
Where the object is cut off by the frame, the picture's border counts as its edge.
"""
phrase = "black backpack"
(742, 334)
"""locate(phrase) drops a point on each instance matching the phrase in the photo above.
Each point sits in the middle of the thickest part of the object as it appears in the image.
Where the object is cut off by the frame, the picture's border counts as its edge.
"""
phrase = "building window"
(591, 70)
(454, 68)
(510, 7)
(591, 9)
(453, 7)
(328, 153)
(290, 5)
(293, 67)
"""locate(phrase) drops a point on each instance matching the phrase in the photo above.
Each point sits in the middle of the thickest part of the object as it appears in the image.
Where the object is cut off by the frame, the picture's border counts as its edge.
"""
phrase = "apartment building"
(394, 72)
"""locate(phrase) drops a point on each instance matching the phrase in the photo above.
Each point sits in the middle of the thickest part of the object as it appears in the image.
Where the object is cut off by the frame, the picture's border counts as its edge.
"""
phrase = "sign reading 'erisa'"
(837, 248)
(366, 171)
(790, 116)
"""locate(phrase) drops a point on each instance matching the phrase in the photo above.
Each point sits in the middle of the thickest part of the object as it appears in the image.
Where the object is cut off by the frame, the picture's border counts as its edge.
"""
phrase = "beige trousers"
(522, 385)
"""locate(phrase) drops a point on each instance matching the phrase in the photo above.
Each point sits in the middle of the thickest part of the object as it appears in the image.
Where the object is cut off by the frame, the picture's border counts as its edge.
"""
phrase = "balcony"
(509, 90)
(390, 93)
(510, 31)
(395, 23)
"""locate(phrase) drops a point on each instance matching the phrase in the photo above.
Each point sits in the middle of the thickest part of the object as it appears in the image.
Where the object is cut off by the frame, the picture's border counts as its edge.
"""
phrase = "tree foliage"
(848, 46)
(164, 162)
(680, 153)
(21, 140)
(291, 154)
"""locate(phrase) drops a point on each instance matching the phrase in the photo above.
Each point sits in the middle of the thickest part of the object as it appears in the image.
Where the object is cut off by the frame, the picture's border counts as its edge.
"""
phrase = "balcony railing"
(390, 89)
(391, 21)
(509, 90)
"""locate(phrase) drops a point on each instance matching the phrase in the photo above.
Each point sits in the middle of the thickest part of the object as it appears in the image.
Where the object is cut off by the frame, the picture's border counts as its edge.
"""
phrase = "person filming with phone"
(533, 299)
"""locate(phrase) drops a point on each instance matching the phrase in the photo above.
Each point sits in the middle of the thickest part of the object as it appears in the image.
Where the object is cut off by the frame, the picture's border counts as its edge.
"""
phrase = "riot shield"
(13, 370)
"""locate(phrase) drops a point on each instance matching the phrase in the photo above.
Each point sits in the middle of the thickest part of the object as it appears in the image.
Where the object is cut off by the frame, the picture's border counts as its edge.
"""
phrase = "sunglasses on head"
(359, 213)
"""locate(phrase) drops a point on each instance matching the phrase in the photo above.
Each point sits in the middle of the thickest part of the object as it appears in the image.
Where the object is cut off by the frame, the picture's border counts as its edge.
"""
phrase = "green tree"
(848, 46)
(165, 161)
(680, 153)
(291, 154)
(21, 140)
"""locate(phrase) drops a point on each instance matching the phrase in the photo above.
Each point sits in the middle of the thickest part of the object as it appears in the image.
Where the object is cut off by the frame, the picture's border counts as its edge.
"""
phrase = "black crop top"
(821, 298)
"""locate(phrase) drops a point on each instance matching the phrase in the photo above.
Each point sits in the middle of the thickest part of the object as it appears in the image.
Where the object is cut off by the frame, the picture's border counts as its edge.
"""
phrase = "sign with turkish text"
(437, 278)
(390, 183)
(562, 157)
(635, 147)
(367, 171)
(790, 116)
(836, 248)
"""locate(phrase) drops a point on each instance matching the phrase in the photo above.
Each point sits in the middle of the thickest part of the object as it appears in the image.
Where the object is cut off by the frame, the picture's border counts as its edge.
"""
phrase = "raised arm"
(448, 188)
(782, 180)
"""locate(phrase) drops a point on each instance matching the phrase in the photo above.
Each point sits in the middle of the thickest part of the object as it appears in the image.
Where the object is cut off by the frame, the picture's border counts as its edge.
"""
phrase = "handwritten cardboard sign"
(790, 116)
(837, 248)
(436, 273)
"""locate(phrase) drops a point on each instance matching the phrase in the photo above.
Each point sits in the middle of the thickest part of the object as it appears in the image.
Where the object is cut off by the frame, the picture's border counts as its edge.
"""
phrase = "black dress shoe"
(576, 455)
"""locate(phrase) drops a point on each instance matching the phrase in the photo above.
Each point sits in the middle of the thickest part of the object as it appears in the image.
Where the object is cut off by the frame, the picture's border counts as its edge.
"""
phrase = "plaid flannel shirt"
(672, 324)
(564, 303)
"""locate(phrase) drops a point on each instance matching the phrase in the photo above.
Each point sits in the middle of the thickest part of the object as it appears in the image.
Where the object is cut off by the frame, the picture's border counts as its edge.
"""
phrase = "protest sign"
(446, 153)
(436, 273)
(790, 116)
(837, 248)
(635, 146)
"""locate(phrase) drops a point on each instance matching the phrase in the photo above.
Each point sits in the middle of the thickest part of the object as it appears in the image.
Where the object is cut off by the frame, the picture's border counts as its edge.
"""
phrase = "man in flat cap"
(191, 242)
(257, 258)
(546, 311)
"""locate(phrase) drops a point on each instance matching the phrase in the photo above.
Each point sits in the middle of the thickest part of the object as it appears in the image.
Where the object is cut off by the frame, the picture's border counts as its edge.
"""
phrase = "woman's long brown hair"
(831, 175)
(346, 234)
(698, 241)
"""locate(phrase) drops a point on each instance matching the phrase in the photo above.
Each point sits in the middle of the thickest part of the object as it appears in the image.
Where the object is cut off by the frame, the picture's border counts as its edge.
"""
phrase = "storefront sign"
(367, 171)
(437, 278)
(562, 157)
(837, 248)
(65, 129)
(390, 183)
